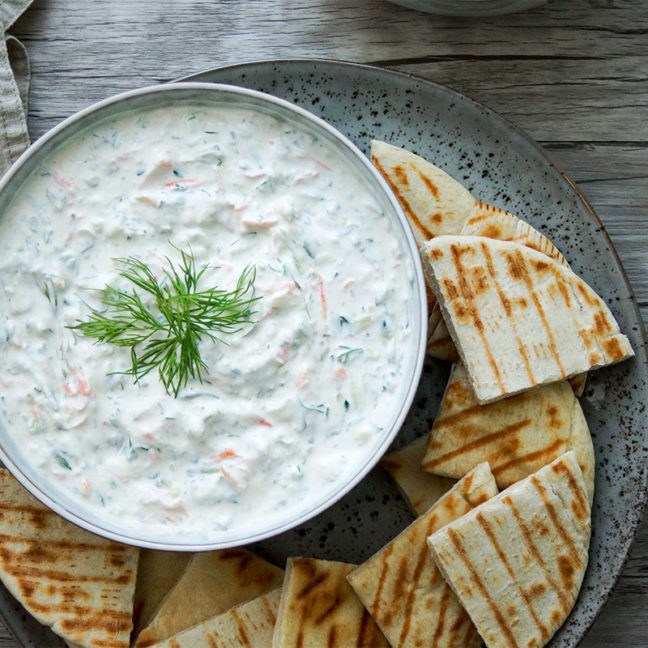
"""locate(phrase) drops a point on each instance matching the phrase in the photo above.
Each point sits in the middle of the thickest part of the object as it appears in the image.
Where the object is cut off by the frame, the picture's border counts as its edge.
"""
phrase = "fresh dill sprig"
(167, 336)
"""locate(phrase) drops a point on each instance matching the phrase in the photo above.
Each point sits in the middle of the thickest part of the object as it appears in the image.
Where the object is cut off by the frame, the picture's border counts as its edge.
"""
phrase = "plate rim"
(641, 353)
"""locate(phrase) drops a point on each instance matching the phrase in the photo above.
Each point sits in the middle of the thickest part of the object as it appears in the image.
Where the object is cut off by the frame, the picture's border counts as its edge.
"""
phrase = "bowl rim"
(418, 299)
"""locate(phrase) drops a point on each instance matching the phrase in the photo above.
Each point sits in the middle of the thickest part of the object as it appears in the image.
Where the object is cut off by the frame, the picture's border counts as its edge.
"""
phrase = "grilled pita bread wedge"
(517, 435)
(212, 583)
(420, 489)
(157, 573)
(77, 583)
(517, 562)
(493, 222)
(518, 318)
(319, 608)
(433, 201)
(402, 587)
(250, 624)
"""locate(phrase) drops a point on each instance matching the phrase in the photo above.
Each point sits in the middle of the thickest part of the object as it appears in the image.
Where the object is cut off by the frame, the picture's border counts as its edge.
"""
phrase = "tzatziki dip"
(290, 402)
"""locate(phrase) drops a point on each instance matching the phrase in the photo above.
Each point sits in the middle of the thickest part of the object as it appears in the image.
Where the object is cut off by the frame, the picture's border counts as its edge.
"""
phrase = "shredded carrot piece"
(68, 185)
(264, 422)
(182, 182)
(322, 296)
(85, 485)
(229, 477)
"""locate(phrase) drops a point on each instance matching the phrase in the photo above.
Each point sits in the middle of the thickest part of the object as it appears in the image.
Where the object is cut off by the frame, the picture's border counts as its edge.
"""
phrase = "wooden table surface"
(573, 74)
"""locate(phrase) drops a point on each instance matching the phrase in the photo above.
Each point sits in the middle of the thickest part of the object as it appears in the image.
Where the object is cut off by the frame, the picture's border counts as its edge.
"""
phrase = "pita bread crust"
(401, 586)
(496, 223)
(250, 624)
(518, 318)
(420, 489)
(517, 562)
(213, 582)
(432, 200)
(319, 608)
(517, 435)
(77, 583)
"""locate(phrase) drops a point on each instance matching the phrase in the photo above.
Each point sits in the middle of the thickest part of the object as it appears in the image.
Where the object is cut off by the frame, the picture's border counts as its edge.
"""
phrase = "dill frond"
(167, 336)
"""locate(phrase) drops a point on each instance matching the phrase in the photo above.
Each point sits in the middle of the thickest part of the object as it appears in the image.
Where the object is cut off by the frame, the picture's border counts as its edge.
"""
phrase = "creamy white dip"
(288, 405)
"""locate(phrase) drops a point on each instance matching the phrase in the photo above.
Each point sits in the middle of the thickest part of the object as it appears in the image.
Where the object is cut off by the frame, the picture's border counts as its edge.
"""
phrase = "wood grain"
(572, 74)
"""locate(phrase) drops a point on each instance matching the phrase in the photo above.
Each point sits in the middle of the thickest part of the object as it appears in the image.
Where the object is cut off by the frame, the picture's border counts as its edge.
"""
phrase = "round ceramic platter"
(501, 166)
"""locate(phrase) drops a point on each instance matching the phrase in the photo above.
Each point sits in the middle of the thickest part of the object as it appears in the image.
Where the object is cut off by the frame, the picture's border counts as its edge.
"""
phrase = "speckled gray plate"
(504, 167)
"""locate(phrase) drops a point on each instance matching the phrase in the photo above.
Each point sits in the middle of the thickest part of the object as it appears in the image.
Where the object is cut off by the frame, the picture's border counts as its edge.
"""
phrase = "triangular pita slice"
(517, 435)
(157, 573)
(402, 587)
(434, 202)
(518, 318)
(496, 223)
(248, 625)
(318, 608)
(517, 562)
(77, 583)
(420, 489)
(212, 583)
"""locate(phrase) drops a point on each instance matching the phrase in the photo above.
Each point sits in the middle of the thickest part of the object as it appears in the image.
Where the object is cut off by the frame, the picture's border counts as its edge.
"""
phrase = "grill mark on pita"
(332, 637)
(173, 643)
(551, 450)
(518, 270)
(364, 634)
(401, 174)
(535, 552)
(403, 201)
(463, 556)
(469, 298)
(383, 575)
(478, 443)
(309, 587)
(569, 543)
(335, 604)
(443, 610)
(212, 640)
(422, 559)
(451, 419)
(461, 619)
(612, 348)
(508, 309)
(269, 611)
(98, 620)
(70, 545)
(28, 571)
(240, 628)
(484, 524)
(580, 505)
(431, 187)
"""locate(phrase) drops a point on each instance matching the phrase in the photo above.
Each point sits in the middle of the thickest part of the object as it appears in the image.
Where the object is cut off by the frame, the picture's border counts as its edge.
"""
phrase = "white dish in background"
(469, 7)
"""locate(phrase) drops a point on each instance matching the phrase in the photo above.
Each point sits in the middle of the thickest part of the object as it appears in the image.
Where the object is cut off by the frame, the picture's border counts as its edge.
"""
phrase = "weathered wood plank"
(548, 69)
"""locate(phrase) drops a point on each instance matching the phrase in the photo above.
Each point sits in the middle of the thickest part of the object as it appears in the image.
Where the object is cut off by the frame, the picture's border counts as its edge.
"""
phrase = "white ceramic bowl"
(469, 7)
(45, 487)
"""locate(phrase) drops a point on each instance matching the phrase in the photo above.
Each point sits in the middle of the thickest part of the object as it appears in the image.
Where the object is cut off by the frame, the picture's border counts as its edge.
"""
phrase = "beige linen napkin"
(14, 87)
